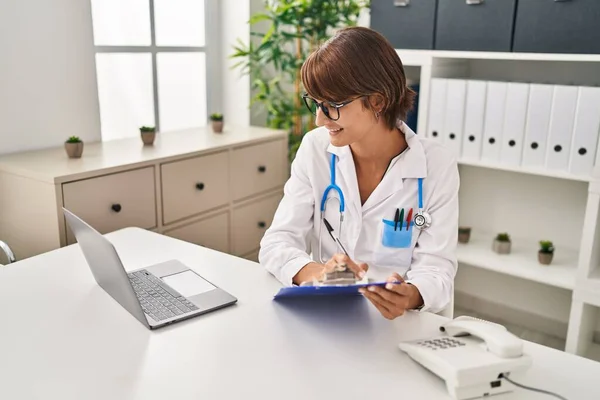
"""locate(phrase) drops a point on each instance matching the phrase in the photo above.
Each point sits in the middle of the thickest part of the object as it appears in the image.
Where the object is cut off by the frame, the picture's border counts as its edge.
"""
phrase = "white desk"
(62, 337)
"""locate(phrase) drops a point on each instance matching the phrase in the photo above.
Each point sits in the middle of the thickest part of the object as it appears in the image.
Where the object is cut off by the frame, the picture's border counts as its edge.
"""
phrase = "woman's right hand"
(315, 271)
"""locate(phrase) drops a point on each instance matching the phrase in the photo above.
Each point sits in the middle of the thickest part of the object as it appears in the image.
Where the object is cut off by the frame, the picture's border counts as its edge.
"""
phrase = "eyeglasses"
(330, 109)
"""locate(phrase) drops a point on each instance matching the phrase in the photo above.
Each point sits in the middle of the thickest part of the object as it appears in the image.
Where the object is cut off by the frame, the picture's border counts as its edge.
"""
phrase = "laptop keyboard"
(156, 298)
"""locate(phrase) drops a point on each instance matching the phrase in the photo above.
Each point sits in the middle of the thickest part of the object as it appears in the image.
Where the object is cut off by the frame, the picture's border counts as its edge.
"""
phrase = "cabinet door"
(475, 25)
(407, 24)
(114, 201)
(568, 26)
(250, 223)
(212, 232)
(258, 168)
(194, 185)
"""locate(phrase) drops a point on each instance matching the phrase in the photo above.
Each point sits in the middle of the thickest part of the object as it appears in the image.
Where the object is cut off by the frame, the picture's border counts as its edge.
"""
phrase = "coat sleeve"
(434, 262)
(284, 247)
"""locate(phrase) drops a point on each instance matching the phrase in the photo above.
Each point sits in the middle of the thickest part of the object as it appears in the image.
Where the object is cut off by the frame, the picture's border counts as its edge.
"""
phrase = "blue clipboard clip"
(325, 290)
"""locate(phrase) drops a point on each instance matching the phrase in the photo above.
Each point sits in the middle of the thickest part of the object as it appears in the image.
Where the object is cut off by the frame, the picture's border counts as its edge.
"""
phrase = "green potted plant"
(217, 122)
(464, 234)
(148, 134)
(74, 147)
(502, 243)
(282, 36)
(546, 252)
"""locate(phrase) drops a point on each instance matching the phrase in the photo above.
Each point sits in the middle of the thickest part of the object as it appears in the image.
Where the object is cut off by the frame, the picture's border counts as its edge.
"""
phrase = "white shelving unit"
(531, 204)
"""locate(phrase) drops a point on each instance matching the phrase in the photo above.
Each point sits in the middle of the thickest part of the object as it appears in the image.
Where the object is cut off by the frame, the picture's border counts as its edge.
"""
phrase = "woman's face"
(354, 124)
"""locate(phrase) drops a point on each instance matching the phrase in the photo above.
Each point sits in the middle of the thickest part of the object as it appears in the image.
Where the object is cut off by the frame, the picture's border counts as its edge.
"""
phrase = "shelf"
(424, 57)
(526, 170)
(521, 262)
(593, 352)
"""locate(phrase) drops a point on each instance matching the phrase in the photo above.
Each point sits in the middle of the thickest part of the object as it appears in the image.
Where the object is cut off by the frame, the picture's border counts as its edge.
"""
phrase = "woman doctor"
(356, 87)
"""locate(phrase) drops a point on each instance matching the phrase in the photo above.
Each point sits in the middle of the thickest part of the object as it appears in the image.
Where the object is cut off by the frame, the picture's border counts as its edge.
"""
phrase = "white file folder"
(437, 109)
(564, 103)
(537, 125)
(474, 116)
(585, 132)
(494, 121)
(456, 91)
(513, 131)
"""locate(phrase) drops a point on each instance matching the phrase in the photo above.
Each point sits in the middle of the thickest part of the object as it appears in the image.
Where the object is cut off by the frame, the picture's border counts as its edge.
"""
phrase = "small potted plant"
(217, 122)
(546, 252)
(502, 243)
(464, 234)
(74, 147)
(148, 134)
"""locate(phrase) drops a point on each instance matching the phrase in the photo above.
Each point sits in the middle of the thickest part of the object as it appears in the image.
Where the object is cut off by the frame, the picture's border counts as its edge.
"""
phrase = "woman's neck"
(378, 148)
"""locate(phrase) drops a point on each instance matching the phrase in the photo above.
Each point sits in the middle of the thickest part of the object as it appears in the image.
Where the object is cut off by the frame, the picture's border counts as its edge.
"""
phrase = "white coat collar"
(413, 165)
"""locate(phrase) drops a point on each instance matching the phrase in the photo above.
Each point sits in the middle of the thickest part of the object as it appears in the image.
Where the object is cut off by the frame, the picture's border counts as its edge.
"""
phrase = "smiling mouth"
(336, 130)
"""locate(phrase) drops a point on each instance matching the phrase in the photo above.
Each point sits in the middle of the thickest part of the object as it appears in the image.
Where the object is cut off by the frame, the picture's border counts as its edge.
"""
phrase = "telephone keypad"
(441, 343)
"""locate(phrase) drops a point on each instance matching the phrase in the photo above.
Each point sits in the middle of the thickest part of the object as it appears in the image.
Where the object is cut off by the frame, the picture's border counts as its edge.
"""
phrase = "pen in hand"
(335, 238)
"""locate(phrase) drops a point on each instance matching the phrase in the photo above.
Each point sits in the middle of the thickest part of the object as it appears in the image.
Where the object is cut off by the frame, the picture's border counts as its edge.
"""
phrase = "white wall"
(235, 87)
(47, 74)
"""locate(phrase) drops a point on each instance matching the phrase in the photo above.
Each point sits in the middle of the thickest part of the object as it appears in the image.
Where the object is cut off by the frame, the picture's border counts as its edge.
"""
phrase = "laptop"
(157, 295)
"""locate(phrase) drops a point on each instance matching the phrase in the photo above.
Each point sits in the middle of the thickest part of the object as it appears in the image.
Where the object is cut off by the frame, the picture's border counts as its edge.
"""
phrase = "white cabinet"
(529, 166)
(190, 184)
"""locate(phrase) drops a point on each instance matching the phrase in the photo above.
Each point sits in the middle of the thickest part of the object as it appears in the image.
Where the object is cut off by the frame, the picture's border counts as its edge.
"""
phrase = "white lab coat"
(429, 262)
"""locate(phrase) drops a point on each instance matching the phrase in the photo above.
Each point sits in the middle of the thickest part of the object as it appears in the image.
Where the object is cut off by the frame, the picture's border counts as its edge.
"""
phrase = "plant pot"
(501, 247)
(545, 258)
(464, 234)
(148, 137)
(74, 150)
(217, 126)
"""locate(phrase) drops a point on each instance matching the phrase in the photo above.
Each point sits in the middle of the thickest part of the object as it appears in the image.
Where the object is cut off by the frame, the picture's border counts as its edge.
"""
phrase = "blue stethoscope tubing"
(332, 186)
(422, 219)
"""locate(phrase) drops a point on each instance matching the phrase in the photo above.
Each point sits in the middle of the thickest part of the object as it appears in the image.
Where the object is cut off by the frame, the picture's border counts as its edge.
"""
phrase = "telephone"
(472, 356)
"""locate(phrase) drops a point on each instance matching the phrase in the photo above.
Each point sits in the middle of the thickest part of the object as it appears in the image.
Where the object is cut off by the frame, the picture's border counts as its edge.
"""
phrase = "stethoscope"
(422, 219)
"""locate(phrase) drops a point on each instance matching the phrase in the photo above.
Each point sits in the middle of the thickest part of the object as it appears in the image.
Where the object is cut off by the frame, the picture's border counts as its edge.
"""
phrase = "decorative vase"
(74, 150)
(217, 126)
(464, 234)
(545, 258)
(501, 247)
(148, 137)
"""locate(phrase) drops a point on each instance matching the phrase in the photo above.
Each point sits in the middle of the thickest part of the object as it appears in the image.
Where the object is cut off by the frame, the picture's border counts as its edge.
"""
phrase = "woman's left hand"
(393, 300)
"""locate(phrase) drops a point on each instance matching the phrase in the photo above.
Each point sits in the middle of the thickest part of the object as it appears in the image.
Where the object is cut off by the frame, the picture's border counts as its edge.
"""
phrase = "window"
(151, 63)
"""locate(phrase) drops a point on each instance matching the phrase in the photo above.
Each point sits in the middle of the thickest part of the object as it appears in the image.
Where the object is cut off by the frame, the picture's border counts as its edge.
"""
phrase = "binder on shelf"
(562, 115)
(537, 125)
(513, 129)
(456, 90)
(494, 120)
(585, 131)
(474, 117)
(437, 109)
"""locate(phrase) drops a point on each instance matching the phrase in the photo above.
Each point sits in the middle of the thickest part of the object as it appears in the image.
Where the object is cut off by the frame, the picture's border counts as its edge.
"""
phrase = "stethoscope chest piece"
(422, 220)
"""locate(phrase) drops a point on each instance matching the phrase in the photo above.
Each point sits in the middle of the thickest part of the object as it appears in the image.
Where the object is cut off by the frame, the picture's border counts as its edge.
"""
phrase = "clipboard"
(326, 290)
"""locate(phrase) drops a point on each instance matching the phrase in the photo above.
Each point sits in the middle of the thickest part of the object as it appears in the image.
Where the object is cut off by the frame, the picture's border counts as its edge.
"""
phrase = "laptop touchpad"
(188, 283)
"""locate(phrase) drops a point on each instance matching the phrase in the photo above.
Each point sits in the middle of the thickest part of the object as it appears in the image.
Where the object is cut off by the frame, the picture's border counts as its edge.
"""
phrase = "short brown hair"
(359, 61)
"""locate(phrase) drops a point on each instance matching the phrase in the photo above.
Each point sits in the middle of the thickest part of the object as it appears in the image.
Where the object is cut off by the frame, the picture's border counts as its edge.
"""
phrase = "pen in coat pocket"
(409, 218)
(396, 218)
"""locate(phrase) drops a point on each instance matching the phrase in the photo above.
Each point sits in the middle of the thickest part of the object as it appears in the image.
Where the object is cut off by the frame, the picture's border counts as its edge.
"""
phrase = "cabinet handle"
(452, 136)
(262, 224)
(474, 2)
(262, 168)
(557, 148)
(200, 186)
(401, 3)
(116, 207)
(582, 151)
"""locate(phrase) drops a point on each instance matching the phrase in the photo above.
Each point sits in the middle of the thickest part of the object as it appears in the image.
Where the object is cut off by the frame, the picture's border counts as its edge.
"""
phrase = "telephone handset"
(496, 338)
(472, 356)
